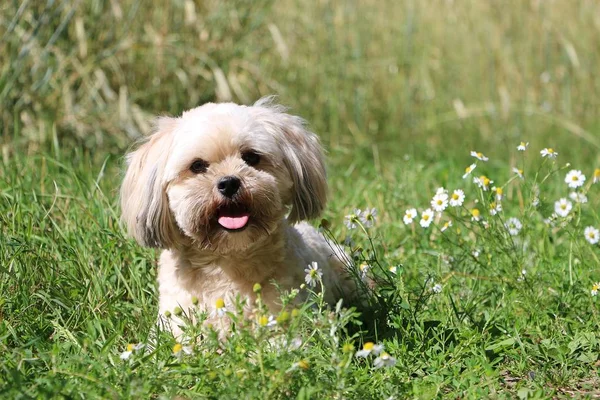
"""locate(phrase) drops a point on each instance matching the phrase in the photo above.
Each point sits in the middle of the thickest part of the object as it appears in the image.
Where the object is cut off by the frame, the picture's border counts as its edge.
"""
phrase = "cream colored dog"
(221, 189)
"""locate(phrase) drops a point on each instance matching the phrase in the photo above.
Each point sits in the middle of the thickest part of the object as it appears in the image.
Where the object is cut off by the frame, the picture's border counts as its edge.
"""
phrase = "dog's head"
(222, 176)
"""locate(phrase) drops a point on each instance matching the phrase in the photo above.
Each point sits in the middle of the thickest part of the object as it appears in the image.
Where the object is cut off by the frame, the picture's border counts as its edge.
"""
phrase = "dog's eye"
(198, 166)
(251, 158)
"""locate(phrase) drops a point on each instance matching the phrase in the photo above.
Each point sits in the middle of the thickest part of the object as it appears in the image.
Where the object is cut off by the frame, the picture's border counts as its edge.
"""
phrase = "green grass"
(400, 92)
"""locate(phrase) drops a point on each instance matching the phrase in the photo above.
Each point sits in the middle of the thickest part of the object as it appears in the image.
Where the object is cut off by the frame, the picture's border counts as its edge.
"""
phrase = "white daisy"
(595, 288)
(483, 182)
(499, 193)
(364, 269)
(437, 288)
(523, 146)
(393, 269)
(220, 308)
(596, 178)
(479, 156)
(549, 152)
(578, 197)
(446, 226)
(592, 234)
(409, 216)
(495, 208)
(313, 274)
(562, 207)
(369, 348)
(519, 172)
(514, 226)
(131, 348)
(426, 218)
(575, 179)
(439, 202)
(351, 220)
(384, 360)
(457, 198)
(469, 169)
(368, 217)
(179, 350)
(476, 253)
(268, 322)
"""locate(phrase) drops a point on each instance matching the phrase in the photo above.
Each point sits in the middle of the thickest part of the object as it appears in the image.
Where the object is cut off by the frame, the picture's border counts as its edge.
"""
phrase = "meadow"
(488, 296)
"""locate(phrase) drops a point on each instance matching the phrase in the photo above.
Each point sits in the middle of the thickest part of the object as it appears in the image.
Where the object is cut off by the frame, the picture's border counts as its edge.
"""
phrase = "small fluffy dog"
(222, 189)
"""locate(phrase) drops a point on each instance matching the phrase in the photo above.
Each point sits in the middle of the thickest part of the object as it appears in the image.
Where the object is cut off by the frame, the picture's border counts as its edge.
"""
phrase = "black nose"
(229, 185)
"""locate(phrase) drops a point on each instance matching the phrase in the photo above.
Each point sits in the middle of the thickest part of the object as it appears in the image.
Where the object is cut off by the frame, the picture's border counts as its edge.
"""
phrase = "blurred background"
(385, 78)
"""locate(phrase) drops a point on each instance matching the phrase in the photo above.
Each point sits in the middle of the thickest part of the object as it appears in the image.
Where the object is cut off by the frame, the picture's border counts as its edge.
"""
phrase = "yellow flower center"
(439, 202)
(520, 171)
(575, 178)
(499, 191)
(263, 321)
(468, 169)
(177, 348)
(475, 212)
(313, 273)
(597, 172)
(129, 347)
(455, 196)
(369, 346)
(220, 303)
(426, 217)
(563, 206)
(596, 287)
(492, 205)
(523, 144)
(303, 364)
(484, 180)
(550, 151)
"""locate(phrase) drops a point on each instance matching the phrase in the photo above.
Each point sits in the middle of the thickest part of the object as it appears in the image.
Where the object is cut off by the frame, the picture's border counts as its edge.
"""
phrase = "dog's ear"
(303, 158)
(144, 203)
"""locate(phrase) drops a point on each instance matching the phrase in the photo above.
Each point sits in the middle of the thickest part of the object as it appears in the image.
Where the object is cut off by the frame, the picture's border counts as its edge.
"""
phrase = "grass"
(400, 93)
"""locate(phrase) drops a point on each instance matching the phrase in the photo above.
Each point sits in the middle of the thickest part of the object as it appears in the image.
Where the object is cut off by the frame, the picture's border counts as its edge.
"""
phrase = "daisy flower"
(384, 360)
(549, 152)
(475, 215)
(426, 218)
(364, 269)
(220, 308)
(368, 217)
(130, 349)
(457, 198)
(476, 253)
(575, 179)
(446, 226)
(393, 269)
(269, 321)
(578, 197)
(479, 156)
(369, 348)
(499, 193)
(596, 178)
(562, 207)
(523, 146)
(468, 170)
(437, 288)
(179, 350)
(495, 208)
(518, 171)
(313, 274)
(409, 216)
(592, 234)
(595, 288)
(514, 226)
(351, 220)
(440, 201)
(483, 182)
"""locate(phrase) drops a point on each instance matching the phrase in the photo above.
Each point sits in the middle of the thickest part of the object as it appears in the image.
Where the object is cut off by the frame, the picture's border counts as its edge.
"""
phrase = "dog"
(225, 190)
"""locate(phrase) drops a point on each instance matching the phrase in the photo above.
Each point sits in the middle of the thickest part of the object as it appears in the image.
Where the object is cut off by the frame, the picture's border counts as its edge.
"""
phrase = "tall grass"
(365, 73)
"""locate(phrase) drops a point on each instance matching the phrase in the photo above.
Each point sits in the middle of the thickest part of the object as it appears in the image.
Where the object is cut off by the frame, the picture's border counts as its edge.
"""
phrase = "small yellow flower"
(475, 214)
(177, 348)
(130, 347)
(596, 175)
(263, 320)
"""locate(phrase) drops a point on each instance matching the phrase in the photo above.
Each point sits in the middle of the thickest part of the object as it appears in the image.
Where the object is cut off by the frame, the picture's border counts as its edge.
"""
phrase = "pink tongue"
(233, 222)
